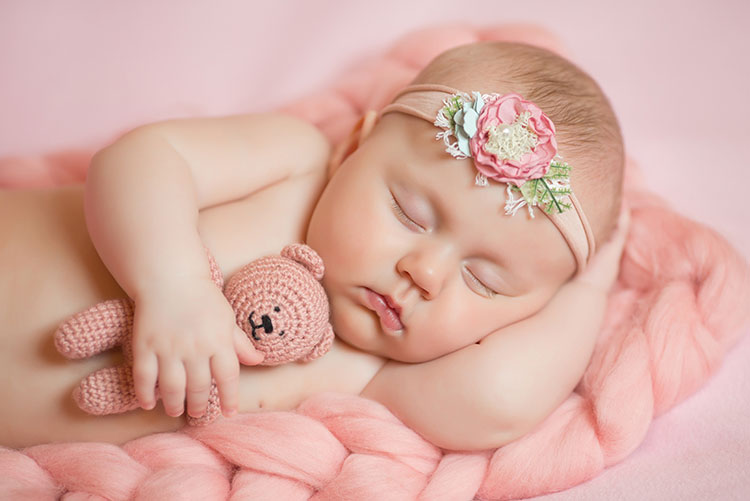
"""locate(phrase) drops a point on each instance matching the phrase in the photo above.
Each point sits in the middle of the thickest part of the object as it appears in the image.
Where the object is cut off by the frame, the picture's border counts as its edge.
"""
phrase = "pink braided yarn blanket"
(671, 318)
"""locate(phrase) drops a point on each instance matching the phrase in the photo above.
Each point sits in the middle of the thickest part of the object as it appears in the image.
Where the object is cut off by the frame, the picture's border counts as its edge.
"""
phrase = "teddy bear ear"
(305, 256)
(323, 345)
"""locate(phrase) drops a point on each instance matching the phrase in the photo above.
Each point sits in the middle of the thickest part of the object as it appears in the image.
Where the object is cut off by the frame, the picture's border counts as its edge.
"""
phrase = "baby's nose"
(428, 268)
(267, 324)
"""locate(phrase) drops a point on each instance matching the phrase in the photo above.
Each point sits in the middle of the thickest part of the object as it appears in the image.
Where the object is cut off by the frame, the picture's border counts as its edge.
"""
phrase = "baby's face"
(421, 262)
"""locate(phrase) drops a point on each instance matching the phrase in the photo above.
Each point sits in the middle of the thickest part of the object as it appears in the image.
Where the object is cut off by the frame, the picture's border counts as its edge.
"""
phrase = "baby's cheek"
(464, 321)
(355, 232)
(353, 324)
(503, 311)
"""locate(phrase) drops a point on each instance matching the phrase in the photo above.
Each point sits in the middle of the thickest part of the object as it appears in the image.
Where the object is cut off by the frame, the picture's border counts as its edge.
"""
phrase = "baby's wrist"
(169, 285)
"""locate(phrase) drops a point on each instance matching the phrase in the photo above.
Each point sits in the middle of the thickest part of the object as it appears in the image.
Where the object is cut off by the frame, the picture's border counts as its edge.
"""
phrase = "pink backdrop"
(75, 73)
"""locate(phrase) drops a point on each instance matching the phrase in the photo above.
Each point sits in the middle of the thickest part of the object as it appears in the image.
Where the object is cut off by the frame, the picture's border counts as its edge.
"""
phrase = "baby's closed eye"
(476, 284)
(405, 218)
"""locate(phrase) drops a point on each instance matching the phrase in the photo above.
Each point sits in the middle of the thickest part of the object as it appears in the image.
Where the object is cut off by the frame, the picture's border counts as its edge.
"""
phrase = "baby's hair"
(588, 133)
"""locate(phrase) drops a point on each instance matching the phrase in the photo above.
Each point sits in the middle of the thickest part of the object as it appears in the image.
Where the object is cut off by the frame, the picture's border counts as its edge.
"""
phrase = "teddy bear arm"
(107, 391)
(216, 275)
(99, 328)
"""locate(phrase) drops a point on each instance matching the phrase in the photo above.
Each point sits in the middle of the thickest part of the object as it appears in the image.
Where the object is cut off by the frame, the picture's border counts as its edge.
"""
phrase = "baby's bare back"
(49, 270)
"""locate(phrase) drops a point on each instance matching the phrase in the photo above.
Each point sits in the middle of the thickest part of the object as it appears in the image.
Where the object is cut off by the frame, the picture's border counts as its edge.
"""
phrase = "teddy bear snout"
(266, 323)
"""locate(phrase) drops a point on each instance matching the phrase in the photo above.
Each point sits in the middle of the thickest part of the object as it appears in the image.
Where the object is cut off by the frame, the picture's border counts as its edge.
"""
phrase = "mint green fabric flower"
(465, 122)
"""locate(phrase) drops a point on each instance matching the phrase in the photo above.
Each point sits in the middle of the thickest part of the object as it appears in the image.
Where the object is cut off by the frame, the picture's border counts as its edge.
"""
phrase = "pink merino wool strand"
(680, 303)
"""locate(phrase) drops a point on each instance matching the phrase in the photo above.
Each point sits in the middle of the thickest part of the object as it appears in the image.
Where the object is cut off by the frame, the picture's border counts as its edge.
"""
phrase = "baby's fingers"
(172, 385)
(226, 371)
(198, 387)
(603, 269)
(145, 371)
(245, 349)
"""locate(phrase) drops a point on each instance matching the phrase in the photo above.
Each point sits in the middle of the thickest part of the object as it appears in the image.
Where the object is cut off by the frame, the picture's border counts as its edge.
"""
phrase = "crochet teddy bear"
(278, 301)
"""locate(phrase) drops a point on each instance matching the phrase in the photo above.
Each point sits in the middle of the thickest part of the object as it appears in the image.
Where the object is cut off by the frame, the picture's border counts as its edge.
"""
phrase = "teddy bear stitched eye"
(276, 309)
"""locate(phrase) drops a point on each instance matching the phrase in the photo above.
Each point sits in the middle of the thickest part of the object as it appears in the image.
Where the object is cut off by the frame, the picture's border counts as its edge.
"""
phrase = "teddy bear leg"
(99, 328)
(213, 410)
(107, 391)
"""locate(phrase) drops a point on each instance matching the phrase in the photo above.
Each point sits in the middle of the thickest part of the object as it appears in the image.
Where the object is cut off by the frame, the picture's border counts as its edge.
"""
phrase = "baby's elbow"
(477, 440)
(488, 424)
(510, 423)
(509, 430)
(124, 153)
(519, 410)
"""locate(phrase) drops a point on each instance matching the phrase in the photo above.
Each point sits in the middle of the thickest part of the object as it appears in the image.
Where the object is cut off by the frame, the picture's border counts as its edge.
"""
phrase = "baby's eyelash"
(489, 292)
(403, 216)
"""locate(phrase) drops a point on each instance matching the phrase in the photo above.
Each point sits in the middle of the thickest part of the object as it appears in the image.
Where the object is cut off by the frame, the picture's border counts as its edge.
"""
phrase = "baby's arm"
(491, 393)
(143, 196)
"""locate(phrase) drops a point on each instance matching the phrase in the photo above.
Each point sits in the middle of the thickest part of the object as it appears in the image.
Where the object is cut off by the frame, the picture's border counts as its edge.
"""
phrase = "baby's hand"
(184, 333)
(604, 267)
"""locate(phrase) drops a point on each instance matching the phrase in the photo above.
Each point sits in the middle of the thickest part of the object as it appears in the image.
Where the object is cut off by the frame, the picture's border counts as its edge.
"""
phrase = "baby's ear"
(359, 133)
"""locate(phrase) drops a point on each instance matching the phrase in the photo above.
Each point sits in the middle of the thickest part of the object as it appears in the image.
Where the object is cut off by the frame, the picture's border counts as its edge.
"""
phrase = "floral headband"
(511, 141)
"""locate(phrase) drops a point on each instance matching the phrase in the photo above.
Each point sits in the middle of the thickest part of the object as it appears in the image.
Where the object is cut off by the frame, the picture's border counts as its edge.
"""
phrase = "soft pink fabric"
(679, 306)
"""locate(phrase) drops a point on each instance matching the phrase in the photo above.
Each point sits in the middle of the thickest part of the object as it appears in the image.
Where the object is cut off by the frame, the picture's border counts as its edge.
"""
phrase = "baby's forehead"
(409, 136)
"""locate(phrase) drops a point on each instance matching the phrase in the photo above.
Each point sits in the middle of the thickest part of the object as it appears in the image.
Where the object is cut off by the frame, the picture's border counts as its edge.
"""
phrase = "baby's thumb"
(246, 352)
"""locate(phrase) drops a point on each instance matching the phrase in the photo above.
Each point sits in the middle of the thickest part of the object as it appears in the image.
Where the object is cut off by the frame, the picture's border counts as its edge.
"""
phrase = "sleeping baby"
(470, 232)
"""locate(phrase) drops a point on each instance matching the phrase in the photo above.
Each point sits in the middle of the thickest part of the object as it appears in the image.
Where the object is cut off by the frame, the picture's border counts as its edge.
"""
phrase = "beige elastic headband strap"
(425, 100)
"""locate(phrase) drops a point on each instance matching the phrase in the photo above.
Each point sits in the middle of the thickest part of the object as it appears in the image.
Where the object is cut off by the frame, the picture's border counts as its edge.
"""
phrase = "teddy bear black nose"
(267, 324)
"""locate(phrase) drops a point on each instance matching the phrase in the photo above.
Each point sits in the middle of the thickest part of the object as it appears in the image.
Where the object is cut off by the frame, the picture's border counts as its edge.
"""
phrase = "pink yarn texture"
(678, 306)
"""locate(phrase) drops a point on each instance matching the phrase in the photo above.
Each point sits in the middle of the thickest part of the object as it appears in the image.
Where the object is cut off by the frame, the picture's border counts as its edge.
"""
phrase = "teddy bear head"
(281, 305)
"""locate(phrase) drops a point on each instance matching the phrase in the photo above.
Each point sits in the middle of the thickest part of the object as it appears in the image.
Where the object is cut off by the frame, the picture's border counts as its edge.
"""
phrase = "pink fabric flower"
(506, 110)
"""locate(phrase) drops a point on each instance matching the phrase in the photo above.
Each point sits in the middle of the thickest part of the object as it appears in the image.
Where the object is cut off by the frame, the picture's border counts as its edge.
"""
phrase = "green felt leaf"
(543, 192)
